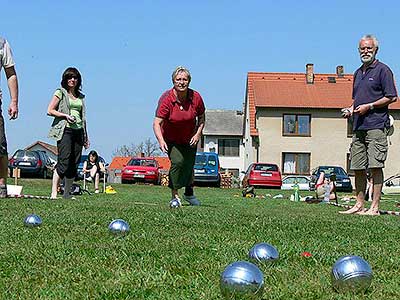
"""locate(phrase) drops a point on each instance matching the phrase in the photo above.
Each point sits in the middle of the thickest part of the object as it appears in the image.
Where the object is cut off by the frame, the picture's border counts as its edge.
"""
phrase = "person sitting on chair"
(322, 182)
(370, 186)
(92, 168)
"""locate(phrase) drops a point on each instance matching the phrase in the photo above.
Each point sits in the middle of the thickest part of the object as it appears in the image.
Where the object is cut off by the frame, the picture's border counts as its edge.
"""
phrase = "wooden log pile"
(164, 179)
(226, 180)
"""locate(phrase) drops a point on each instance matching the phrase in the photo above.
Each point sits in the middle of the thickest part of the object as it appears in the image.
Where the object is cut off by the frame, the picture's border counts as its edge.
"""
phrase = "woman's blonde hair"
(180, 69)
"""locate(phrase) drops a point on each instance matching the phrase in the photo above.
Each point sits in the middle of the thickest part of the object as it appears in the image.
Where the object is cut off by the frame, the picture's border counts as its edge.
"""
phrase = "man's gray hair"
(180, 69)
(371, 37)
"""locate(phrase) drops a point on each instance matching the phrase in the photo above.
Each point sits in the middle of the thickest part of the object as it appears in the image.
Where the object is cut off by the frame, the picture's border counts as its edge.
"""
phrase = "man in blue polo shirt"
(373, 91)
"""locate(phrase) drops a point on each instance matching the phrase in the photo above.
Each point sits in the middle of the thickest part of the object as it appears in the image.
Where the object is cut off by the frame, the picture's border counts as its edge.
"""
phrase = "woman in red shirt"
(178, 126)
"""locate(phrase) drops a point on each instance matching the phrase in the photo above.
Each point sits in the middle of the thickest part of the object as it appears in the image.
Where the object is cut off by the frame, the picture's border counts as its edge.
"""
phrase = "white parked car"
(391, 185)
(289, 181)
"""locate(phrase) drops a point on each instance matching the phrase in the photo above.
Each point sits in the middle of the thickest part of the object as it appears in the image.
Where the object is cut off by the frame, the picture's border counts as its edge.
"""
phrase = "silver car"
(391, 185)
(289, 181)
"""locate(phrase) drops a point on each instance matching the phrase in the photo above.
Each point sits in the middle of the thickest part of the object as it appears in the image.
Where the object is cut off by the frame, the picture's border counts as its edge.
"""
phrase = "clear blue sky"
(126, 51)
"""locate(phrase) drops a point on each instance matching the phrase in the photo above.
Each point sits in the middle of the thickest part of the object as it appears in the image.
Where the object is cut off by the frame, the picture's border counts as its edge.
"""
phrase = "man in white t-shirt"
(7, 62)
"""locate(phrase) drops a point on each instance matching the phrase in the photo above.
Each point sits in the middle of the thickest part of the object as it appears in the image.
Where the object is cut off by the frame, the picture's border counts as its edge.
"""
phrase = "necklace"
(180, 102)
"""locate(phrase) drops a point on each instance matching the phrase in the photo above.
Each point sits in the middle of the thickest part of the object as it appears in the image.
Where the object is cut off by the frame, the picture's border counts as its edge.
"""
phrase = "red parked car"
(141, 169)
(263, 175)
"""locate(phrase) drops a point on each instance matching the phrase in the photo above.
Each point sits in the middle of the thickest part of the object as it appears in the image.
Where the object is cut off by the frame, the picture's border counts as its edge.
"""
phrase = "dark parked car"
(206, 169)
(262, 175)
(342, 182)
(79, 173)
(31, 163)
(141, 169)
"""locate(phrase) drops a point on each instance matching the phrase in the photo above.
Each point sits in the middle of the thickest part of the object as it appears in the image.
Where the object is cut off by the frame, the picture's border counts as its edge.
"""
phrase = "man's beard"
(367, 59)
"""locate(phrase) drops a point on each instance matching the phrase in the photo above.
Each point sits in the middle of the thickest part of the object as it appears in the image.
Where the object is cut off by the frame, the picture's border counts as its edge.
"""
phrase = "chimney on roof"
(310, 73)
(340, 71)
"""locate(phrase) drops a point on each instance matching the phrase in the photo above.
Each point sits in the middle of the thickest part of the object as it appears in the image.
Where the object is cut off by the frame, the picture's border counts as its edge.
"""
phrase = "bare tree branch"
(147, 148)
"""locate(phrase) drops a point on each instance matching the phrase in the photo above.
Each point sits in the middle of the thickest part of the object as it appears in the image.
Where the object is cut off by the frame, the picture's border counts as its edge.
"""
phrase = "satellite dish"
(211, 144)
(391, 120)
(391, 128)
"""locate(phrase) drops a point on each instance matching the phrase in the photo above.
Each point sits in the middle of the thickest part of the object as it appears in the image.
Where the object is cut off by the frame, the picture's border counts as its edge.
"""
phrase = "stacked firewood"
(226, 180)
(164, 179)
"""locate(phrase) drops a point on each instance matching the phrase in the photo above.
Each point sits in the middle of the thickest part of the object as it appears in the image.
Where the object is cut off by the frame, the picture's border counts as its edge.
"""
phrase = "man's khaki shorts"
(368, 149)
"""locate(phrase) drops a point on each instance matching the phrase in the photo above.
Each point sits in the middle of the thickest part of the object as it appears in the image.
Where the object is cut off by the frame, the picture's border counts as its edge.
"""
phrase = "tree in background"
(147, 148)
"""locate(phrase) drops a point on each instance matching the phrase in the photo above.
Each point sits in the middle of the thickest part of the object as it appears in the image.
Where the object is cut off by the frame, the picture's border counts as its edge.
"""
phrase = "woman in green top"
(67, 106)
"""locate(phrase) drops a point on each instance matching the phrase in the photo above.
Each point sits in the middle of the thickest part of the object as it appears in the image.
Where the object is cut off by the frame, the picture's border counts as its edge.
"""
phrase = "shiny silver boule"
(242, 280)
(174, 203)
(351, 274)
(32, 221)
(119, 227)
(263, 253)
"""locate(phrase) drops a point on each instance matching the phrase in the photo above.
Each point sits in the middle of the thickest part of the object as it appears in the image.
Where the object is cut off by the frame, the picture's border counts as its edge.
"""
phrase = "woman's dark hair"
(94, 154)
(68, 74)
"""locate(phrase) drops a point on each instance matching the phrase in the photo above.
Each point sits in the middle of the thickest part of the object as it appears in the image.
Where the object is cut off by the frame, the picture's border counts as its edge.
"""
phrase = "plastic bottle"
(327, 194)
(296, 192)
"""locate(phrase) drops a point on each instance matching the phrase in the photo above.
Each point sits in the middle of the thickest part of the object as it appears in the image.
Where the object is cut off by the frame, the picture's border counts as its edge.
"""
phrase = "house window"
(296, 163)
(349, 127)
(228, 147)
(298, 125)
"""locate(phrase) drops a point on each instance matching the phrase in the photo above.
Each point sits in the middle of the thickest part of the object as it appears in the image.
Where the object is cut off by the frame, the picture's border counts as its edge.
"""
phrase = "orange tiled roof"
(284, 90)
(164, 162)
(118, 162)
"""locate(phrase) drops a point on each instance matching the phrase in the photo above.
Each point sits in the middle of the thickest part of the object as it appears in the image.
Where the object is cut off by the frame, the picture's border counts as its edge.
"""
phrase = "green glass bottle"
(296, 191)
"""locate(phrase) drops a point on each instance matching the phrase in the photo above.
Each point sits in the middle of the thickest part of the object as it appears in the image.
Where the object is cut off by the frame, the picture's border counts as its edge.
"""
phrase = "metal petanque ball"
(119, 227)
(32, 221)
(263, 253)
(351, 274)
(174, 203)
(242, 280)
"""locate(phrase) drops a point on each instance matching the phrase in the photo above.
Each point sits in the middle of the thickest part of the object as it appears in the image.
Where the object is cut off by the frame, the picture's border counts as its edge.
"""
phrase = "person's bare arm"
(52, 110)
(382, 102)
(157, 131)
(12, 82)
(195, 139)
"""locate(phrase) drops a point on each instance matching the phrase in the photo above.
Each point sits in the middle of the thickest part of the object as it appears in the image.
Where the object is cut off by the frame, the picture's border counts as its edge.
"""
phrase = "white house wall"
(249, 155)
(226, 162)
(328, 143)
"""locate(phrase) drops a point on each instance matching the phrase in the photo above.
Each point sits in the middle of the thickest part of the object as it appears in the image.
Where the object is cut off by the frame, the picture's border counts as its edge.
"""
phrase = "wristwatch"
(371, 106)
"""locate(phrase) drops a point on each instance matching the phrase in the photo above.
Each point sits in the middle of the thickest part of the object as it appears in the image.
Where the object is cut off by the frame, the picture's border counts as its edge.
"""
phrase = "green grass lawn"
(180, 254)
